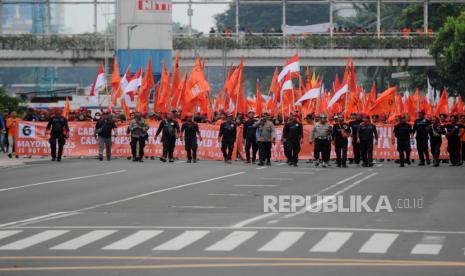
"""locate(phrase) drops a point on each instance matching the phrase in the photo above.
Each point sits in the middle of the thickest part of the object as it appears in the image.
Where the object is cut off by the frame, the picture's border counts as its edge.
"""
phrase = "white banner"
(316, 28)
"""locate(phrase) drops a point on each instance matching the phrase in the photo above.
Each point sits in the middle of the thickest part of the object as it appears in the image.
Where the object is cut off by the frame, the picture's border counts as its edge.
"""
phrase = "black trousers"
(323, 147)
(251, 143)
(341, 151)
(191, 149)
(227, 147)
(404, 149)
(463, 151)
(436, 149)
(293, 150)
(134, 142)
(265, 151)
(453, 148)
(422, 148)
(366, 151)
(356, 150)
(54, 140)
(168, 147)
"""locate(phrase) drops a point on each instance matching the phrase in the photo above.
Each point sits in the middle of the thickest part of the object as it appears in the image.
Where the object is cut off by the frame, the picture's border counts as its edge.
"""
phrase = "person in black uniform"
(453, 133)
(190, 131)
(250, 137)
(292, 138)
(170, 128)
(402, 132)
(58, 127)
(227, 137)
(421, 128)
(365, 135)
(435, 137)
(354, 125)
(341, 133)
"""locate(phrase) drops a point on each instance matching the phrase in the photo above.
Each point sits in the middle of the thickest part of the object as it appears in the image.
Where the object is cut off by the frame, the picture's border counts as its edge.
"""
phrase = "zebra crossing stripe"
(33, 240)
(429, 245)
(8, 233)
(282, 241)
(182, 240)
(378, 243)
(133, 240)
(231, 241)
(83, 240)
(331, 242)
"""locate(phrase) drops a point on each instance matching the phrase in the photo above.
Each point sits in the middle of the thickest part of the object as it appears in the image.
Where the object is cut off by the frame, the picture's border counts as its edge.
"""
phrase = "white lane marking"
(281, 164)
(31, 219)
(197, 207)
(158, 191)
(331, 242)
(277, 178)
(273, 221)
(325, 199)
(290, 228)
(231, 241)
(429, 245)
(133, 240)
(370, 170)
(8, 233)
(229, 195)
(339, 183)
(179, 162)
(379, 165)
(306, 173)
(60, 180)
(246, 185)
(282, 241)
(261, 168)
(83, 240)
(378, 243)
(33, 240)
(183, 240)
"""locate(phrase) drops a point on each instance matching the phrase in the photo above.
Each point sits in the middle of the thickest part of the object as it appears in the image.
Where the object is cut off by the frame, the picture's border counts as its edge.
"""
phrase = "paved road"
(84, 216)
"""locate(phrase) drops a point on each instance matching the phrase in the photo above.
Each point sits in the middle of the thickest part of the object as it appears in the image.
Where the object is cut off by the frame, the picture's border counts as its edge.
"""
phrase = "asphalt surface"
(84, 216)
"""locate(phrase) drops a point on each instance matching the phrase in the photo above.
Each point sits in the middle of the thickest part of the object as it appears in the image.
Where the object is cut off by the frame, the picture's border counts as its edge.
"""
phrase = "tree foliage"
(8, 103)
(449, 53)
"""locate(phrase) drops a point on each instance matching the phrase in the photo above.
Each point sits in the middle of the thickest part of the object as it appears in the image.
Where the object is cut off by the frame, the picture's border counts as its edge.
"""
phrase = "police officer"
(227, 137)
(402, 132)
(435, 137)
(293, 134)
(365, 135)
(341, 133)
(321, 135)
(58, 127)
(137, 129)
(170, 128)
(354, 124)
(190, 131)
(453, 133)
(250, 137)
(421, 129)
(266, 137)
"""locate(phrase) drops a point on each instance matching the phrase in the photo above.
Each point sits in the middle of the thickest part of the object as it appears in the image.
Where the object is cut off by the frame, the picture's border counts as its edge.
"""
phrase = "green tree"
(449, 53)
(8, 103)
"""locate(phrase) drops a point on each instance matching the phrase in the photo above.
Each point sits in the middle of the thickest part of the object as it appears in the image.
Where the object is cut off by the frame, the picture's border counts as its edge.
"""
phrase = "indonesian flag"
(287, 85)
(291, 66)
(313, 93)
(344, 89)
(99, 84)
(132, 87)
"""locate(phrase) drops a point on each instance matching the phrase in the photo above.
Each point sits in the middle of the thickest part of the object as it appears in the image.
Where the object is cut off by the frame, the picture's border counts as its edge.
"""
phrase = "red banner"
(32, 141)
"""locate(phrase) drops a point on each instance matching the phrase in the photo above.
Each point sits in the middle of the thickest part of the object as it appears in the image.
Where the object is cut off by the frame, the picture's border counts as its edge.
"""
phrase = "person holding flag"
(58, 129)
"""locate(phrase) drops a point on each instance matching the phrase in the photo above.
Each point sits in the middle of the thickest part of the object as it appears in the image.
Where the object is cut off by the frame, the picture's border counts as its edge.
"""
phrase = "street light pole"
(130, 28)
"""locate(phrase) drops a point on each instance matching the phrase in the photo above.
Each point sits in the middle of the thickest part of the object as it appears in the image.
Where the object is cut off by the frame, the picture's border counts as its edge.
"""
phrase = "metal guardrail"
(319, 41)
(84, 42)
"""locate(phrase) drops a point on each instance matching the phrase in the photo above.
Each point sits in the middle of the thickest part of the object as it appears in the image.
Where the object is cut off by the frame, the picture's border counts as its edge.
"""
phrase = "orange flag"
(385, 103)
(259, 100)
(165, 90)
(115, 82)
(230, 87)
(144, 92)
(66, 109)
(127, 110)
(443, 104)
(275, 93)
(197, 85)
(175, 84)
(181, 90)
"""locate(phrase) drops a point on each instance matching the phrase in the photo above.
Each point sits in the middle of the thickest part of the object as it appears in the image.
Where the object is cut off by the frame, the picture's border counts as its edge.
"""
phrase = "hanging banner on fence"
(32, 141)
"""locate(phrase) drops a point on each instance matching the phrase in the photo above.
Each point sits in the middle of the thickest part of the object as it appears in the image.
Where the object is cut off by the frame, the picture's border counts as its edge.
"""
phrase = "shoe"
(171, 160)
(163, 159)
(370, 165)
(229, 162)
(344, 165)
(53, 159)
(421, 164)
(317, 164)
(309, 161)
(261, 164)
(189, 161)
(253, 161)
(152, 158)
(141, 160)
(10, 155)
(58, 159)
(339, 165)
(324, 165)
(247, 162)
(134, 159)
(436, 164)
(428, 162)
(295, 165)
(401, 165)
(129, 158)
(100, 158)
(195, 160)
(408, 162)
(364, 165)
(108, 158)
(268, 163)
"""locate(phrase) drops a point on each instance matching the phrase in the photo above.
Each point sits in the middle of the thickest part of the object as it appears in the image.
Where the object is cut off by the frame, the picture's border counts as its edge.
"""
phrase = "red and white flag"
(291, 66)
(99, 84)
(132, 87)
(344, 89)
(313, 93)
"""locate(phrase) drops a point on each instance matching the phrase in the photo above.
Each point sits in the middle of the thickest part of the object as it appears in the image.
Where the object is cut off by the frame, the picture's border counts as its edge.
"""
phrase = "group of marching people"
(259, 136)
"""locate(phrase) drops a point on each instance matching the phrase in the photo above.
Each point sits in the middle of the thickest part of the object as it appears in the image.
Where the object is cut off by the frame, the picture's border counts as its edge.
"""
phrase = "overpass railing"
(85, 42)
(318, 41)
